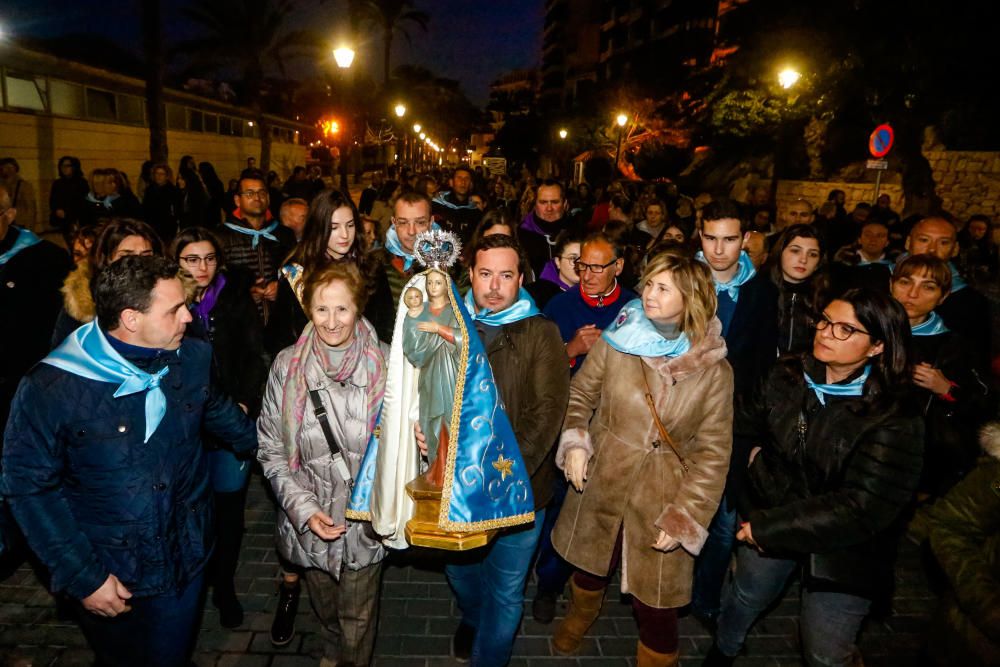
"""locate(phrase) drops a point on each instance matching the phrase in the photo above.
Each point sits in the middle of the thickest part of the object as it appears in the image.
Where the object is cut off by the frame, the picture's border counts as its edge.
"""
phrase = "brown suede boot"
(584, 608)
(647, 657)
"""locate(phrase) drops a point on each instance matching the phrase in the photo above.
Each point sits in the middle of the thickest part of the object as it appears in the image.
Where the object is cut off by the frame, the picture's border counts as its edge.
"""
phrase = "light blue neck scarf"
(633, 333)
(25, 239)
(88, 354)
(957, 281)
(393, 245)
(744, 273)
(881, 260)
(523, 308)
(257, 234)
(853, 388)
(932, 326)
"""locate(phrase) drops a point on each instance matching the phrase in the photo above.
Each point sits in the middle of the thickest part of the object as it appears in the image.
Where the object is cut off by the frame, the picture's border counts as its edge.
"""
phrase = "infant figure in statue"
(432, 343)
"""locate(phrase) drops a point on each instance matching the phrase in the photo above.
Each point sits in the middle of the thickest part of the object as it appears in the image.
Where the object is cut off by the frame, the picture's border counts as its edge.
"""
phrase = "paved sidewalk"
(418, 617)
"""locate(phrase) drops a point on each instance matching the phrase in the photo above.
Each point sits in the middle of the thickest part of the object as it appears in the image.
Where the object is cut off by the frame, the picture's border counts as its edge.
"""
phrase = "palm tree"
(246, 39)
(392, 16)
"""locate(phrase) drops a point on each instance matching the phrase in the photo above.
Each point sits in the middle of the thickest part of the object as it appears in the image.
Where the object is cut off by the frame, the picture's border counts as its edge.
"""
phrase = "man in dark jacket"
(253, 240)
(529, 366)
(454, 209)
(32, 272)
(538, 231)
(105, 470)
(748, 312)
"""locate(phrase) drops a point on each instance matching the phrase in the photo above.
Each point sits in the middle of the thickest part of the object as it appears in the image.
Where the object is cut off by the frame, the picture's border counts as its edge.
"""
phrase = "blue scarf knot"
(932, 326)
(87, 354)
(853, 388)
(633, 333)
(521, 309)
(25, 239)
(393, 245)
(744, 273)
(257, 234)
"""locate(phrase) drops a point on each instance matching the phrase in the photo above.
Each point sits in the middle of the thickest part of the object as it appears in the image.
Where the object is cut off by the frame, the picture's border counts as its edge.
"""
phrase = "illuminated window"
(25, 91)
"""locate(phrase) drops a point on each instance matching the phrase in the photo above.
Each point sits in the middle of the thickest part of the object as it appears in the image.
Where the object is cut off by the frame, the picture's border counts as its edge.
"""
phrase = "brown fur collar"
(989, 438)
(709, 351)
(78, 300)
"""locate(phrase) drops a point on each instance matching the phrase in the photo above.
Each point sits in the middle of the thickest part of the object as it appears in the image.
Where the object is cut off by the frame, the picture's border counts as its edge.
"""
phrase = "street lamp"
(563, 133)
(416, 128)
(621, 120)
(788, 77)
(423, 136)
(400, 110)
(344, 56)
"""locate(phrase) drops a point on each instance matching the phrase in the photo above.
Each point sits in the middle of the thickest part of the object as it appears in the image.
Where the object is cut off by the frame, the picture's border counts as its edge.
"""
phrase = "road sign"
(881, 165)
(880, 142)
(496, 166)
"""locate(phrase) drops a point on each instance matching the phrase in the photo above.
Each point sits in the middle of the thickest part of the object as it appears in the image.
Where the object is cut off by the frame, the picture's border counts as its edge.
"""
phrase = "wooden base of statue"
(423, 530)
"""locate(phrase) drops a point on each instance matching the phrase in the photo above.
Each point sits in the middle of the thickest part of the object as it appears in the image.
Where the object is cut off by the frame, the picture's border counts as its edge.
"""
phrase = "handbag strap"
(338, 455)
(651, 404)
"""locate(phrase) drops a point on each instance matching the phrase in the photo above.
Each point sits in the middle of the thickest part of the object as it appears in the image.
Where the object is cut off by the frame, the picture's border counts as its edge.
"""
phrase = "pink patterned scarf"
(309, 350)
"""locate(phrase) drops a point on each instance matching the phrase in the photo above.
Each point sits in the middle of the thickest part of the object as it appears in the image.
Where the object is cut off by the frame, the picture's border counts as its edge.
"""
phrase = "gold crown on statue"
(437, 249)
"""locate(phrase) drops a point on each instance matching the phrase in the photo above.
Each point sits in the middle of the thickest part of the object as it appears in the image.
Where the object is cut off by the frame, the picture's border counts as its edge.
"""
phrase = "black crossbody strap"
(331, 442)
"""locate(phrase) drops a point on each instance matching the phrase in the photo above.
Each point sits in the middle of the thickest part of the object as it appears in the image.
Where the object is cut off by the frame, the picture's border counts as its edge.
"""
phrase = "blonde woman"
(646, 445)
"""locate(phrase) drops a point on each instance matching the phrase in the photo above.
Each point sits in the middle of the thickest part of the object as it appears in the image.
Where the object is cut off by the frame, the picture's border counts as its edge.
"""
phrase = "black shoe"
(283, 627)
(461, 643)
(543, 607)
(717, 658)
(230, 609)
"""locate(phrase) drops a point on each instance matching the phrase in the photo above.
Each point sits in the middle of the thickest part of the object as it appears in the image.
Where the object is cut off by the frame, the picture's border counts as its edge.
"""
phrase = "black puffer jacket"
(830, 481)
(796, 312)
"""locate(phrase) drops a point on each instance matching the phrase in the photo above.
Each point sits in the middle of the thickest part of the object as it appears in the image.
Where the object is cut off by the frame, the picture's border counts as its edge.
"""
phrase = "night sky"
(473, 42)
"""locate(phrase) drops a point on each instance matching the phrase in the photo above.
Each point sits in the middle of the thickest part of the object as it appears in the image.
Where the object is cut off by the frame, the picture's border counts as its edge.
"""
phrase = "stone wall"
(968, 182)
(816, 193)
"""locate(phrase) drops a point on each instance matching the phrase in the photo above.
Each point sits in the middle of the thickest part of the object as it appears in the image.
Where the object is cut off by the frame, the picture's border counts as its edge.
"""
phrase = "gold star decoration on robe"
(503, 466)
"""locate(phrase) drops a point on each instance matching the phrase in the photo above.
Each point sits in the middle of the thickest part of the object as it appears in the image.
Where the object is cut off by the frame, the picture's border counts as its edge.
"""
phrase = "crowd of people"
(711, 397)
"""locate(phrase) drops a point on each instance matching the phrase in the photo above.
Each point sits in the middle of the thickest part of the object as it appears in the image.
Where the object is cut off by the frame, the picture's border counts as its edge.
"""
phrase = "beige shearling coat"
(638, 485)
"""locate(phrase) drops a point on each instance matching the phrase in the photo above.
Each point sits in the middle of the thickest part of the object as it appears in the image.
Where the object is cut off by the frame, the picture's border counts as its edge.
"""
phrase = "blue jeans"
(490, 591)
(158, 632)
(713, 562)
(828, 621)
(553, 572)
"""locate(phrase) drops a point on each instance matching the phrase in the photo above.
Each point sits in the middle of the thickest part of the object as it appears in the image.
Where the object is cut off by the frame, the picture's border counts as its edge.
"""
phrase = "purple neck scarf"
(204, 307)
(551, 274)
(530, 224)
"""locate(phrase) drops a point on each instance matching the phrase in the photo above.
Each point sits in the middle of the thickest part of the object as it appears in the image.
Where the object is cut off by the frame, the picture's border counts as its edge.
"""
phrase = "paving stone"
(205, 658)
(532, 646)
(75, 657)
(261, 643)
(402, 661)
(241, 660)
(224, 640)
(425, 646)
(293, 661)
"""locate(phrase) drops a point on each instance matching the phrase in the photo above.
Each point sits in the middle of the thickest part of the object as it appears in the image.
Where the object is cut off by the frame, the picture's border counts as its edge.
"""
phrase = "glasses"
(593, 268)
(840, 330)
(195, 260)
(254, 194)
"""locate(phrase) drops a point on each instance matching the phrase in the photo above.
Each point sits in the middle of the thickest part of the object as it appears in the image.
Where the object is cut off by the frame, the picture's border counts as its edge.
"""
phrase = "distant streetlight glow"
(788, 77)
(621, 120)
(416, 127)
(563, 133)
(344, 56)
(400, 110)
(423, 136)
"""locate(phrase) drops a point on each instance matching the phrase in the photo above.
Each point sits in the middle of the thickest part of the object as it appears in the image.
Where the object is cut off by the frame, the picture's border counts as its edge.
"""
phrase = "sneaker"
(543, 607)
(461, 643)
(283, 627)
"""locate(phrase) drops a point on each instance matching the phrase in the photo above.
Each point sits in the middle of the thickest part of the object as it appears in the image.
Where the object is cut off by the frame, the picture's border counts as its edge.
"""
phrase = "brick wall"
(816, 193)
(968, 182)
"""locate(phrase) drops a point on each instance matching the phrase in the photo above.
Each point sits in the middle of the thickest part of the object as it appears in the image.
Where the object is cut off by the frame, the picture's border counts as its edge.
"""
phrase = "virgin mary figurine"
(474, 480)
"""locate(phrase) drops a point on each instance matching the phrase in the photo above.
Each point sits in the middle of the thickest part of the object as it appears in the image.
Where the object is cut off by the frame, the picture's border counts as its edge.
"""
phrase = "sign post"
(879, 144)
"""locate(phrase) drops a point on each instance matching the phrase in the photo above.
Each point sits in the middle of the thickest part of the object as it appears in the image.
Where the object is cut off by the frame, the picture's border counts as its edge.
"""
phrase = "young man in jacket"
(532, 376)
(105, 471)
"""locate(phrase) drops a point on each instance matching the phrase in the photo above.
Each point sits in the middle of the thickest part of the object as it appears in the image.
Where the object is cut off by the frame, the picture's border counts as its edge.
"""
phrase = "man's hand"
(421, 439)
(271, 291)
(258, 290)
(109, 599)
(321, 524)
(744, 534)
(576, 462)
(582, 341)
(665, 543)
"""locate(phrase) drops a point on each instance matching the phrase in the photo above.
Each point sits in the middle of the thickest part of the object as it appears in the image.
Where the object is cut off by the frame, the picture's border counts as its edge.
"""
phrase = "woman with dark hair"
(796, 267)
(161, 201)
(497, 221)
(110, 197)
(838, 455)
(224, 315)
(115, 239)
(559, 273)
(216, 194)
(333, 233)
(187, 162)
(193, 200)
(953, 398)
(67, 195)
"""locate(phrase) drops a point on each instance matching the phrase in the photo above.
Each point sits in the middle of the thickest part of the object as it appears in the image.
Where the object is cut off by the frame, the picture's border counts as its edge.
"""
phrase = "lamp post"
(621, 120)
(788, 77)
(400, 110)
(344, 57)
